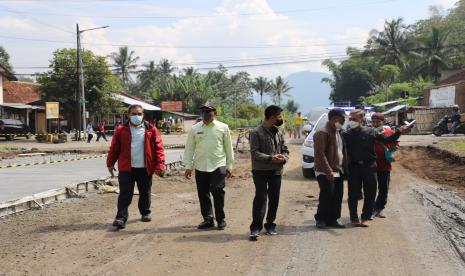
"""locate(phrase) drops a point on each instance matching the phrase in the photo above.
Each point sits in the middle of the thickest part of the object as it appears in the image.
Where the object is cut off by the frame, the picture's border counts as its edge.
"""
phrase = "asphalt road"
(23, 181)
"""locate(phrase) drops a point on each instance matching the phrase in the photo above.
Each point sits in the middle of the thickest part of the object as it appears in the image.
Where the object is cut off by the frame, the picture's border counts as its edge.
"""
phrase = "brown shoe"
(364, 223)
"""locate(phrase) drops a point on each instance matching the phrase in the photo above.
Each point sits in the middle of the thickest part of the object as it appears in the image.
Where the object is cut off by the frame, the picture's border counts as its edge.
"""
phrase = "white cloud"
(229, 27)
(11, 23)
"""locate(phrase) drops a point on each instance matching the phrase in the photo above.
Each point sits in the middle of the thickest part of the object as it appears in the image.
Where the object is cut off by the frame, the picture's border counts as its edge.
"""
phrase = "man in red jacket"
(138, 148)
(384, 166)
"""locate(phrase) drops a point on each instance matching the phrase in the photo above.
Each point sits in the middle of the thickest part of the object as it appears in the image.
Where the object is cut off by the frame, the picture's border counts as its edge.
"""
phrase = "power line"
(263, 46)
(211, 15)
(37, 21)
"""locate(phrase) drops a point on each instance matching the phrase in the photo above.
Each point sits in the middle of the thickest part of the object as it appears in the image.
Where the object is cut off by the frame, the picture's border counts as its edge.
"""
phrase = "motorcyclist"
(455, 119)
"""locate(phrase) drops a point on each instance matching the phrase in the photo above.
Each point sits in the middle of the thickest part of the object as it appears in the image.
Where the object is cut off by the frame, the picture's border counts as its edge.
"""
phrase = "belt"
(360, 162)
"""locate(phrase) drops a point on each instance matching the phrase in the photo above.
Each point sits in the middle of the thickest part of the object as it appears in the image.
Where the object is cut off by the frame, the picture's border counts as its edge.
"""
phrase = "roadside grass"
(6, 148)
(458, 146)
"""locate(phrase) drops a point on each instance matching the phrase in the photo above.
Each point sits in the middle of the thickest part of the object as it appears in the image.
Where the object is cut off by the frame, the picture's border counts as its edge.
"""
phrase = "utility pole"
(82, 100)
(78, 78)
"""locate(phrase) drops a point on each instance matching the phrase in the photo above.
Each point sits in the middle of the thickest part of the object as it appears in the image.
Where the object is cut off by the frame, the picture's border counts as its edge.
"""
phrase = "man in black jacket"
(360, 143)
(269, 154)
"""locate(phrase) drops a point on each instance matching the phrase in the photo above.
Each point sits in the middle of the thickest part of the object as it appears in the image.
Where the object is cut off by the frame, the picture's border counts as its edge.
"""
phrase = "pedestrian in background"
(384, 157)
(330, 160)
(138, 148)
(209, 151)
(90, 132)
(269, 153)
(298, 122)
(101, 131)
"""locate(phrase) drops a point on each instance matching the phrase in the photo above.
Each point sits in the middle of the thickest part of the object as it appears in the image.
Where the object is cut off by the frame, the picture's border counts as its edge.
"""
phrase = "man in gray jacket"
(269, 154)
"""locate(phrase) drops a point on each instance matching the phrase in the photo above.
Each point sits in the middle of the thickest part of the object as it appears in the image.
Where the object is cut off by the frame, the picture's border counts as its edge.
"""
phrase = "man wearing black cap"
(209, 151)
(329, 167)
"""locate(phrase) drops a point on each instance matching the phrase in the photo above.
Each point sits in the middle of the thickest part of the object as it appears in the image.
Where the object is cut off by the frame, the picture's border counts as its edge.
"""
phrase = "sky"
(286, 35)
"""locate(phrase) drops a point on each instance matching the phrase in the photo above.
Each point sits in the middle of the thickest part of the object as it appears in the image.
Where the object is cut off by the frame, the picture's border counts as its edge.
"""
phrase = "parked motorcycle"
(442, 128)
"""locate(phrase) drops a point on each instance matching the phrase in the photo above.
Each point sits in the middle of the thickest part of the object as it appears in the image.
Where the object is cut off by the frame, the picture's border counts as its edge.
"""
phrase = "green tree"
(60, 82)
(125, 62)
(262, 86)
(393, 45)
(292, 106)
(5, 59)
(280, 88)
(435, 53)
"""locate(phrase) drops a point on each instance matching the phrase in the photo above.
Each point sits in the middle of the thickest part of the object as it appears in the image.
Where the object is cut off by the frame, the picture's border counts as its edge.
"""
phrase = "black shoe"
(336, 224)
(271, 231)
(254, 234)
(221, 225)
(206, 224)
(119, 223)
(146, 218)
(320, 224)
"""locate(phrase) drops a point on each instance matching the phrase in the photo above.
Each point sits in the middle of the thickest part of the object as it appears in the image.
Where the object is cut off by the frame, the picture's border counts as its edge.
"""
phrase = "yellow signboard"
(52, 110)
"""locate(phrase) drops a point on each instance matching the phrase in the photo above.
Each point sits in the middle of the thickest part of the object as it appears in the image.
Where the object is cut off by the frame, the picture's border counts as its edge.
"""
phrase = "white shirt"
(137, 146)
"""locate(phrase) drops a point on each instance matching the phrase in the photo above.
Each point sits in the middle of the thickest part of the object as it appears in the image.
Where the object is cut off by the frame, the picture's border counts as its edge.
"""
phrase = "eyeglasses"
(138, 114)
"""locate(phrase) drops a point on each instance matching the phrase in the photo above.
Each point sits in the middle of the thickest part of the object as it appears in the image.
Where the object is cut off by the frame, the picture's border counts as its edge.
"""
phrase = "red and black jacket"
(120, 149)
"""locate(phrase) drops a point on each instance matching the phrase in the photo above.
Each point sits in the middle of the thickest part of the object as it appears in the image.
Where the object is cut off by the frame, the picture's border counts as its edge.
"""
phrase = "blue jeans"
(454, 126)
(383, 187)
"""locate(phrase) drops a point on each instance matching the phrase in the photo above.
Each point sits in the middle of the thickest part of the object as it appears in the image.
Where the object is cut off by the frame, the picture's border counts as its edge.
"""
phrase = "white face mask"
(353, 124)
(136, 119)
(379, 129)
(338, 126)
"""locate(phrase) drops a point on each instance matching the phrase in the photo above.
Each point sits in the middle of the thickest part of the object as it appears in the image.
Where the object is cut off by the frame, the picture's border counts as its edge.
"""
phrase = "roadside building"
(17, 101)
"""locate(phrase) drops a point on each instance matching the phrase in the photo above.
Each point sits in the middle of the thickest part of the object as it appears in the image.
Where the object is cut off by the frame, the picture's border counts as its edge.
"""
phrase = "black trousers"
(384, 179)
(267, 186)
(330, 200)
(89, 137)
(101, 134)
(211, 183)
(126, 187)
(362, 176)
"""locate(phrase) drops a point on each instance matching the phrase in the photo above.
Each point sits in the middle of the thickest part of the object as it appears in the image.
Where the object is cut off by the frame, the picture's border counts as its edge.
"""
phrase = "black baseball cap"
(336, 112)
(208, 105)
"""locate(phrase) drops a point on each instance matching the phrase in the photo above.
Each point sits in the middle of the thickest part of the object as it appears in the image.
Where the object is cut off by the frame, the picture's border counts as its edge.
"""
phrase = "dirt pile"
(434, 164)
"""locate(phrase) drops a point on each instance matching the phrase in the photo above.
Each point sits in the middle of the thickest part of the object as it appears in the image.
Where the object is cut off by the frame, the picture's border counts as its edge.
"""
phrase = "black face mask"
(279, 123)
(207, 116)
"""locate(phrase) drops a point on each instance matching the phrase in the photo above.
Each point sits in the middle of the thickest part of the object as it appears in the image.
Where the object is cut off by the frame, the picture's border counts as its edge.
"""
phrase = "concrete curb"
(174, 146)
(38, 201)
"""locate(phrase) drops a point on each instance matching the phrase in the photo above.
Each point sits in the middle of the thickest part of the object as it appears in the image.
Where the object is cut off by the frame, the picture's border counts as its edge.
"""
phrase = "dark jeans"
(126, 187)
(101, 134)
(362, 176)
(211, 182)
(330, 200)
(89, 137)
(384, 179)
(267, 185)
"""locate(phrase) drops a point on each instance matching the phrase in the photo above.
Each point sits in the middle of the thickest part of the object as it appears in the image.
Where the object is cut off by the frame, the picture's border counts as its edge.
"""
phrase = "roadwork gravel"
(75, 237)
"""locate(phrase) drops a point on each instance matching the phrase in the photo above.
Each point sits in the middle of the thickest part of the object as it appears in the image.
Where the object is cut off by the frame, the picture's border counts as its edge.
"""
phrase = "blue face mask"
(136, 119)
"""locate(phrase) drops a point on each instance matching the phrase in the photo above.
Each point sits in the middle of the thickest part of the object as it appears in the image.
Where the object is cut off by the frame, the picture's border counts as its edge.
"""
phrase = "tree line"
(400, 61)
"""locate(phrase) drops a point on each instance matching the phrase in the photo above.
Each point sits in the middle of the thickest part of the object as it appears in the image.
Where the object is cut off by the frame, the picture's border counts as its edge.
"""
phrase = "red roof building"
(20, 92)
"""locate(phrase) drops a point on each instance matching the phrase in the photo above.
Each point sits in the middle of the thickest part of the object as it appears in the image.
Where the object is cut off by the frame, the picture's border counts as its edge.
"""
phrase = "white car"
(308, 156)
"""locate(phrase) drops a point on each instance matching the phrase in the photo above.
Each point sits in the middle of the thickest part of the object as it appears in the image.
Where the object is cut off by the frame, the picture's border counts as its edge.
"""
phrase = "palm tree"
(125, 63)
(147, 76)
(262, 86)
(165, 67)
(280, 88)
(392, 44)
(435, 53)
